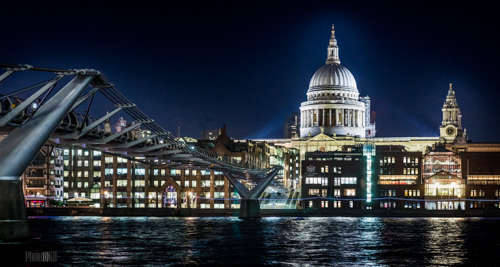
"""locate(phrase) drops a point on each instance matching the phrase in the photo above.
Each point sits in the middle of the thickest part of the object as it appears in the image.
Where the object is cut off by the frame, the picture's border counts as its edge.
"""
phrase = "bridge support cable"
(25, 104)
(31, 87)
(10, 69)
(250, 206)
(116, 135)
(19, 148)
(84, 97)
(99, 121)
(125, 145)
(5, 75)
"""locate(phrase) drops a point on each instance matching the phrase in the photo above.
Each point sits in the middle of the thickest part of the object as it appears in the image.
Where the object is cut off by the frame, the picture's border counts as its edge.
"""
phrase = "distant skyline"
(200, 65)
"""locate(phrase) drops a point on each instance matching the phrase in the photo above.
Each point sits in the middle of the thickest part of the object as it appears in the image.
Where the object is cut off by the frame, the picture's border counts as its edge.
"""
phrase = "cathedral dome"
(332, 76)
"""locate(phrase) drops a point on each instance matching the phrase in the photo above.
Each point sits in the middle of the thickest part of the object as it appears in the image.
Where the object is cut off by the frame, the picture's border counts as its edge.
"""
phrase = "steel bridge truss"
(49, 113)
(159, 147)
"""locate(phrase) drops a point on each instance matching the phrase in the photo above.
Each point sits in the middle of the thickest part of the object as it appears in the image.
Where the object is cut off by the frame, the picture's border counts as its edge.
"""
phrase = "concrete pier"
(13, 220)
(249, 208)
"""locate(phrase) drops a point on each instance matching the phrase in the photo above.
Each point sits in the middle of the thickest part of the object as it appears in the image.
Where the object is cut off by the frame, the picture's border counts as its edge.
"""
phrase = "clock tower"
(451, 127)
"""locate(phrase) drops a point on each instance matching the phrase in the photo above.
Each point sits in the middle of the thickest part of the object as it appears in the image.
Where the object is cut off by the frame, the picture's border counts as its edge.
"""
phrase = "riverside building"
(335, 160)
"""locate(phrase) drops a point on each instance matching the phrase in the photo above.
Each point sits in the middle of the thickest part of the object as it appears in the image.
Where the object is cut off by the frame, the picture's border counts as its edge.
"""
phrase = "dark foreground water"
(337, 241)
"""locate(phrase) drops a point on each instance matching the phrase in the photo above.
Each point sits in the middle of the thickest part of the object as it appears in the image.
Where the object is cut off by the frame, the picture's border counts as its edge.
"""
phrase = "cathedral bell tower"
(451, 127)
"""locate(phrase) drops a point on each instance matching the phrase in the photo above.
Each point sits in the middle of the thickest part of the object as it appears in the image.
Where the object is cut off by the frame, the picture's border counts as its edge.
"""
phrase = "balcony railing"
(36, 186)
(36, 174)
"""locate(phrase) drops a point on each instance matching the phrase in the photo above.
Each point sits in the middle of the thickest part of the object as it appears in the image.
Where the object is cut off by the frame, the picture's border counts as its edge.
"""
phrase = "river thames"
(337, 241)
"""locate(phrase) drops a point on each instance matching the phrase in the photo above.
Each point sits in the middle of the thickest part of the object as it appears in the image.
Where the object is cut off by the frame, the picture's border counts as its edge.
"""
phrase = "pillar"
(227, 202)
(323, 122)
(149, 170)
(101, 191)
(212, 191)
(330, 124)
(13, 222)
(301, 119)
(317, 117)
(115, 178)
(311, 114)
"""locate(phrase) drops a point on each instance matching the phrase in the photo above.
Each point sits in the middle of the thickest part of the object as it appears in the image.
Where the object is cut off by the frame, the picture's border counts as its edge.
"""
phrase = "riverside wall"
(148, 212)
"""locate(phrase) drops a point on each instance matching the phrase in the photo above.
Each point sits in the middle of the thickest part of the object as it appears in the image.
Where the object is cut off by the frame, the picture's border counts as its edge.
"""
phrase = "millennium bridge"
(48, 113)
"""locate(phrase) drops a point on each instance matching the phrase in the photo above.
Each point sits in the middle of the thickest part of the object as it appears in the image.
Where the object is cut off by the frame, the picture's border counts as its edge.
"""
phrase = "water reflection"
(271, 241)
(445, 241)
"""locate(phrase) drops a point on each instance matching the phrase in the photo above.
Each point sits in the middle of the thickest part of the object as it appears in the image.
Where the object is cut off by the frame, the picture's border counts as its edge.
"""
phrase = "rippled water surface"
(268, 241)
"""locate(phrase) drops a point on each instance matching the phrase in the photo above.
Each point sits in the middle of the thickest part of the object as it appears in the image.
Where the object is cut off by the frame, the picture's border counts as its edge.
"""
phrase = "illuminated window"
(336, 192)
(324, 192)
(350, 192)
(79, 152)
(348, 180)
(314, 192)
(140, 183)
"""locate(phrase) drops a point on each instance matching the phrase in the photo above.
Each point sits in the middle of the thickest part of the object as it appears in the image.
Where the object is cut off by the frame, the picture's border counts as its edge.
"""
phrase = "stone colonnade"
(332, 117)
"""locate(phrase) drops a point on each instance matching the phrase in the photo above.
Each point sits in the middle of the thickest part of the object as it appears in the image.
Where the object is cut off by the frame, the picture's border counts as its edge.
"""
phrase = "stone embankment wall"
(265, 213)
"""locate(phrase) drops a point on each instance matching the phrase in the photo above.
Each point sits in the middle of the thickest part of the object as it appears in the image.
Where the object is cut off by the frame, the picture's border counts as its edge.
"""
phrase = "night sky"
(200, 65)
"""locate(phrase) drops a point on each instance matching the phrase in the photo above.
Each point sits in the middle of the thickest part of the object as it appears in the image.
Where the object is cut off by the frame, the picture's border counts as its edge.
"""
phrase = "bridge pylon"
(250, 206)
(21, 146)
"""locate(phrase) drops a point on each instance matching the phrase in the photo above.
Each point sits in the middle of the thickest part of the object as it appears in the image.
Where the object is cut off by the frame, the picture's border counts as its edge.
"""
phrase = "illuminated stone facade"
(333, 103)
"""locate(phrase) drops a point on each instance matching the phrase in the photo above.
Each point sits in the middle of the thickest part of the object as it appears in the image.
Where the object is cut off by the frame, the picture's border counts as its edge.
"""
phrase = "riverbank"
(148, 212)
